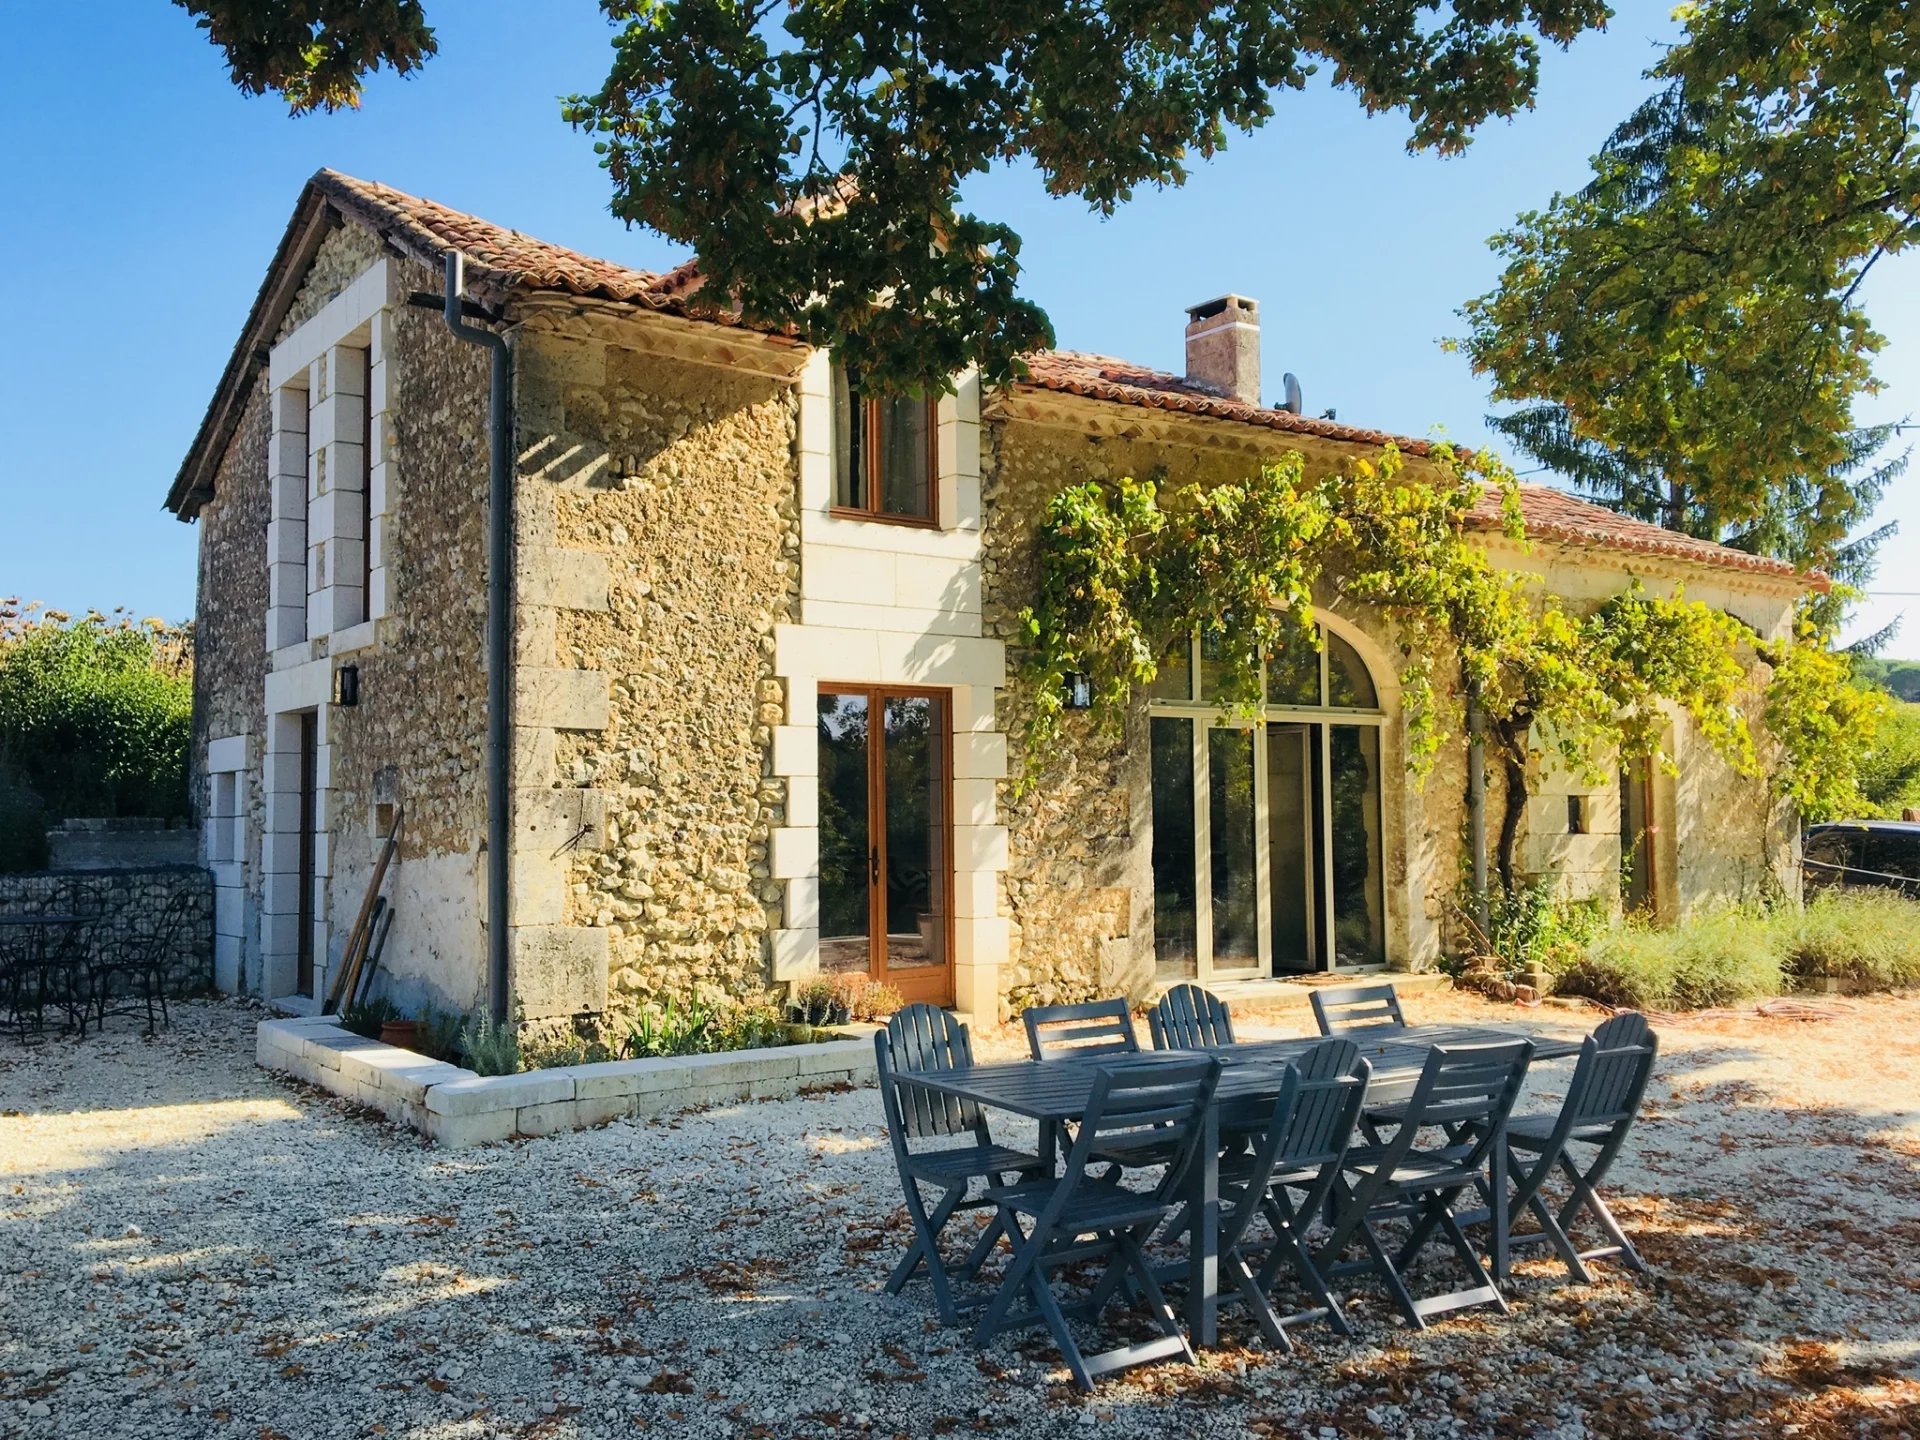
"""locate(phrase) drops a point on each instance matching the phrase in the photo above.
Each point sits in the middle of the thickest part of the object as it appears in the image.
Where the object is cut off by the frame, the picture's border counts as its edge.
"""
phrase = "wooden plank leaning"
(348, 977)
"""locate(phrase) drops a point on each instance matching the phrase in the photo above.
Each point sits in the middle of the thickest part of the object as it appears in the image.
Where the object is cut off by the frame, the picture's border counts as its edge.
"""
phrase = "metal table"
(1054, 1093)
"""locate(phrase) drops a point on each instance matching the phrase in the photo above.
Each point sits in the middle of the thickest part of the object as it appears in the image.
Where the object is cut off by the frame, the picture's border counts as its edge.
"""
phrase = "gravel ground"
(189, 1247)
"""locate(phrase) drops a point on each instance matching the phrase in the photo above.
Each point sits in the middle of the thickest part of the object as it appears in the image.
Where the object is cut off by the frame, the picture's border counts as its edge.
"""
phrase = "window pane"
(845, 844)
(1348, 683)
(1293, 675)
(1359, 917)
(1292, 831)
(1175, 678)
(906, 470)
(849, 443)
(1894, 852)
(1236, 923)
(1175, 889)
(916, 876)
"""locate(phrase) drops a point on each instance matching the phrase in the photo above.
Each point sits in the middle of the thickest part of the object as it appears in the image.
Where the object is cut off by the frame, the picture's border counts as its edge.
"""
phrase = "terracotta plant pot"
(404, 1033)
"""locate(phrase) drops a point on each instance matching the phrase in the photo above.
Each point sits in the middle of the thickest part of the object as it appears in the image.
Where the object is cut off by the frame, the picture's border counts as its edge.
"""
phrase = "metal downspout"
(1477, 805)
(499, 631)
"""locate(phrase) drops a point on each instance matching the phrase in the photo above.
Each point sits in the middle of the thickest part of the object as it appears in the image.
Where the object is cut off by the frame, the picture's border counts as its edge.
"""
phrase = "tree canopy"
(813, 151)
(1696, 305)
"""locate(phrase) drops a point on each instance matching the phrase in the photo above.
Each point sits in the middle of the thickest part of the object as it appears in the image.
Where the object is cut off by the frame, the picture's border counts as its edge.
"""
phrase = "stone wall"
(417, 737)
(658, 550)
(121, 844)
(129, 904)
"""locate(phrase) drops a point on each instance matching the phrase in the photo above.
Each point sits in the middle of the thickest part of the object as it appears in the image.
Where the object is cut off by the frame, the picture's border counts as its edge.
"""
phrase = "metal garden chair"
(1287, 1178)
(130, 975)
(921, 1038)
(1081, 1217)
(1080, 1032)
(1357, 1009)
(1609, 1082)
(1189, 1018)
(1466, 1092)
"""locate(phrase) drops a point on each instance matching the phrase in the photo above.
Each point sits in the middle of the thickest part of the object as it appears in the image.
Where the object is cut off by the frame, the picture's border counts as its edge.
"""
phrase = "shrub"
(95, 713)
(365, 1017)
(1531, 930)
(1867, 937)
(1716, 959)
(490, 1047)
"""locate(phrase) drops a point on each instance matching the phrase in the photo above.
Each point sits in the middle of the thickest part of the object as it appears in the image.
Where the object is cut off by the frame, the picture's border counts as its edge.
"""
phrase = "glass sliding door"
(1232, 850)
(1292, 837)
(886, 838)
(1268, 842)
(1176, 891)
(1359, 913)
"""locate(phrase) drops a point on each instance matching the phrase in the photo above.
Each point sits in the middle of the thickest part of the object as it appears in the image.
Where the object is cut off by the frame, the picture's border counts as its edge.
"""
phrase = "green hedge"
(1870, 938)
(95, 719)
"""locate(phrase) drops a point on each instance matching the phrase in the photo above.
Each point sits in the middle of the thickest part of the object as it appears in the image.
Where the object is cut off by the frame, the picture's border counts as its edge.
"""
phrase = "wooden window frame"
(870, 460)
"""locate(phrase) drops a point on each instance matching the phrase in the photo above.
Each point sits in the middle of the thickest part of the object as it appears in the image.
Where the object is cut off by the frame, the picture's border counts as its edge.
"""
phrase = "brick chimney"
(1223, 347)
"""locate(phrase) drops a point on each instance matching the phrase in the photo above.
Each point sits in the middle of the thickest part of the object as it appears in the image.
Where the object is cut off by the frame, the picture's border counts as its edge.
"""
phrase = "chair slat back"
(1473, 1085)
(1609, 1083)
(1333, 1088)
(918, 1039)
(1357, 1009)
(1190, 1018)
(1156, 1107)
(1079, 1032)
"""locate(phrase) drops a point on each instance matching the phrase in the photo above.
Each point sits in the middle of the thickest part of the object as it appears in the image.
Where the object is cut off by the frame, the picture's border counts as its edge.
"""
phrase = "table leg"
(1203, 1238)
(1497, 1218)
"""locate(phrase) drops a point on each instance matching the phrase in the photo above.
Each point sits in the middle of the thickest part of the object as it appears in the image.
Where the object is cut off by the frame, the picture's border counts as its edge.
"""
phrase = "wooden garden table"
(1054, 1093)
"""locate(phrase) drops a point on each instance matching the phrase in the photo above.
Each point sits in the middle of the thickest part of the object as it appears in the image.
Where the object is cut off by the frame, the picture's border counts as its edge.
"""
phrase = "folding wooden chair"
(1609, 1083)
(1287, 1179)
(1357, 1010)
(1081, 1217)
(1466, 1092)
(922, 1038)
(1080, 1032)
(1189, 1018)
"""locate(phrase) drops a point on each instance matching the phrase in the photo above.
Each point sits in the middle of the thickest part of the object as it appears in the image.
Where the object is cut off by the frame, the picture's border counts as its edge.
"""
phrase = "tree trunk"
(1512, 737)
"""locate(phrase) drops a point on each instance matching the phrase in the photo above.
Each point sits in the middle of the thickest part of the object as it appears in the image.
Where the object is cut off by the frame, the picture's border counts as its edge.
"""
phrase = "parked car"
(1854, 853)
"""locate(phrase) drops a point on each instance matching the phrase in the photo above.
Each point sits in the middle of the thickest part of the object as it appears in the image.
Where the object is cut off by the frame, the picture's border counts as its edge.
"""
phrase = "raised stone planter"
(456, 1107)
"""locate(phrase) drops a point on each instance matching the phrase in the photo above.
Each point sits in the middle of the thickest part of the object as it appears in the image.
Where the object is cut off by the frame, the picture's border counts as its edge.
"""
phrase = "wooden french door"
(886, 837)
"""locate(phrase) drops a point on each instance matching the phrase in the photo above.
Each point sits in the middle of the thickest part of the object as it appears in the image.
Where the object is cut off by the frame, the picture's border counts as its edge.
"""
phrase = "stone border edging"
(456, 1108)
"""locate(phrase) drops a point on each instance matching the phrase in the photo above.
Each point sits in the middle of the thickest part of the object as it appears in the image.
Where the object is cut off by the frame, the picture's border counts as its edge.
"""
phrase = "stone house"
(763, 672)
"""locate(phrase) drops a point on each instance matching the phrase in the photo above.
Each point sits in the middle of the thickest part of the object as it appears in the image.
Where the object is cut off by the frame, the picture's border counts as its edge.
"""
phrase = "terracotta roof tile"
(1101, 377)
(500, 261)
(1554, 515)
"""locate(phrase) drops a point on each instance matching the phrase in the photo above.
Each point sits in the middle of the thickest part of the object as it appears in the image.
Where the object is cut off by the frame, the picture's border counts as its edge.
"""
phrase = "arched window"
(1267, 853)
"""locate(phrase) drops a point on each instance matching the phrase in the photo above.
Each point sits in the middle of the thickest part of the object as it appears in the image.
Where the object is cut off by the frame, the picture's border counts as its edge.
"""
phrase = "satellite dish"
(1292, 388)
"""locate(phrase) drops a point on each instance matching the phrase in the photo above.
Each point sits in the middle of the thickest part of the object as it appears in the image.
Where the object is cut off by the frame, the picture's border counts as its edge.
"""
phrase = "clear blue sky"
(144, 197)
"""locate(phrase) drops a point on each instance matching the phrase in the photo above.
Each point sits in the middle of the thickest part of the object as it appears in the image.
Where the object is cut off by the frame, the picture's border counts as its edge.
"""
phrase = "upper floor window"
(883, 454)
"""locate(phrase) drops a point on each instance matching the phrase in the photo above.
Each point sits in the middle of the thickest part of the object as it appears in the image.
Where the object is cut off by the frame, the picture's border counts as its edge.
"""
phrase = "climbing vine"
(1825, 722)
(1130, 571)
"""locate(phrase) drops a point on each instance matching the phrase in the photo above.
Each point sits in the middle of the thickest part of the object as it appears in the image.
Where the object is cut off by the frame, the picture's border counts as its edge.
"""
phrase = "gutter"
(1477, 805)
(499, 631)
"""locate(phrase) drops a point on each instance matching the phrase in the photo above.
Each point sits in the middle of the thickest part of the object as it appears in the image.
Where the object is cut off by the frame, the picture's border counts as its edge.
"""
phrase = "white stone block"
(929, 582)
(227, 753)
(628, 1077)
(980, 847)
(843, 1055)
(981, 940)
(488, 1094)
(803, 702)
(803, 800)
(795, 953)
(566, 579)
(976, 893)
(863, 577)
(461, 1132)
(796, 750)
(976, 801)
(980, 757)
(562, 699)
(803, 903)
(794, 852)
